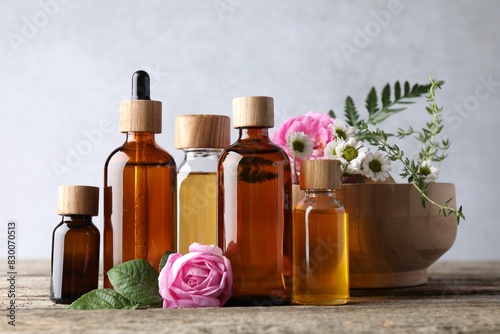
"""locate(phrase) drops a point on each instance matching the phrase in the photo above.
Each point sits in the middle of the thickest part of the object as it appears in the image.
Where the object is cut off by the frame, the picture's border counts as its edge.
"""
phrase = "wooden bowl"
(393, 239)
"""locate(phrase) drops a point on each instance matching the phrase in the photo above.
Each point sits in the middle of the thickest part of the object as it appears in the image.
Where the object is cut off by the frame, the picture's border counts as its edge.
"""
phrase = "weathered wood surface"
(460, 297)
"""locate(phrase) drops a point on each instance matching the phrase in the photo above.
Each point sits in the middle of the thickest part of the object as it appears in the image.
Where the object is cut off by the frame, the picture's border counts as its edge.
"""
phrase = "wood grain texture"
(253, 111)
(140, 116)
(459, 297)
(202, 131)
(78, 200)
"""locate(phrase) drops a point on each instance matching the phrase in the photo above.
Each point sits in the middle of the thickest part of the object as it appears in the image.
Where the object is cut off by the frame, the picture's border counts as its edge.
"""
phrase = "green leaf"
(397, 91)
(407, 88)
(386, 95)
(249, 170)
(395, 110)
(350, 112)
(371, 102)
(102, 299)
(137, 281)
(331, 113)
(164, 259)
(417, 90)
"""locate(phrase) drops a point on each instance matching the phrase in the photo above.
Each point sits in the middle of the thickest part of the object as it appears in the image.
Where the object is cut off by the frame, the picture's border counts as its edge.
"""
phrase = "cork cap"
(253, 111)
(140, 116)
(202, 131)
(320, 174)
(78, 200)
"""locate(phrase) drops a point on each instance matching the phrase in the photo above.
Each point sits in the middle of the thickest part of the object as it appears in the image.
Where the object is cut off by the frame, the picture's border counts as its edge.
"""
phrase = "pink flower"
(313, 124)
(201, 278)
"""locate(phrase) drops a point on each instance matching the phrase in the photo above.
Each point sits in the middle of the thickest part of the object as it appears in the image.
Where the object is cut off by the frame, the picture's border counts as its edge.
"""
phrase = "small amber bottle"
(75, 245)
(202, 138)
(320, 237)
(255, 217)
(140, 191)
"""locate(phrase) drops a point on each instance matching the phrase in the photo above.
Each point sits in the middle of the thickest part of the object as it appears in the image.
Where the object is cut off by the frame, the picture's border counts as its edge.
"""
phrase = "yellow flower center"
(350, 153)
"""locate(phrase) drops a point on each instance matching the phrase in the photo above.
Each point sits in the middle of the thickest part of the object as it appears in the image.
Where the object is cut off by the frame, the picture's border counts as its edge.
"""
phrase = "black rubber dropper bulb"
(140, 85)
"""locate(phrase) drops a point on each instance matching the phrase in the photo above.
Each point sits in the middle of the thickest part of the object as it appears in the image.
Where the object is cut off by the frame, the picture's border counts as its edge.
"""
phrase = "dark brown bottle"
(254, 213)
(75, 245)
(140, 187)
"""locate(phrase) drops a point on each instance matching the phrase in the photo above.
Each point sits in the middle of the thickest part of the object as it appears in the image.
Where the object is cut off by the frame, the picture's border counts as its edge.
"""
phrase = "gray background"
(65, 65)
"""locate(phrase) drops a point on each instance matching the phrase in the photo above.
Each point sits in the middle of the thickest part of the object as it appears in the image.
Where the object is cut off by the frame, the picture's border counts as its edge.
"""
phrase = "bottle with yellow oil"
(202, 138)
(320, 237)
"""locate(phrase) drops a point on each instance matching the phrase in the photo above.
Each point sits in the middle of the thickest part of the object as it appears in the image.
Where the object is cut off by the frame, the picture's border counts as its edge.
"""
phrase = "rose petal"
(198, 301)
(165, 277)
(200, 278)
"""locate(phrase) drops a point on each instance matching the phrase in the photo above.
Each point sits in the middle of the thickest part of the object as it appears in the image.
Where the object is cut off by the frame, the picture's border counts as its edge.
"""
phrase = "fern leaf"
(386, 95)
(350, 112)
(331, 113)
(249, 170)
(251, 175)
(417, 90)
(407, 88)
(397, 91)
(371, 102)
(256, 161)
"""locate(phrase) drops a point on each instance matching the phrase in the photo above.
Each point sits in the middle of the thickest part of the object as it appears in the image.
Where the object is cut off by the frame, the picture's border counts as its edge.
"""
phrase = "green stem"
(396, 154)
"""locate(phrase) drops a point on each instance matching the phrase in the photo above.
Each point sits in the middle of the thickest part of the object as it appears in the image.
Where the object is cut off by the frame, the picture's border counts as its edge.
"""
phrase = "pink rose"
(313, 124)
(201, 278)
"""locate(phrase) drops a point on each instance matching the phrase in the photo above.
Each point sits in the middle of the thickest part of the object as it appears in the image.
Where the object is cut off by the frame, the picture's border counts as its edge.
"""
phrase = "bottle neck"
(140, 137)
(310, 193)
(200, 160)
(76, 219)
(197, 153)
(254, 133)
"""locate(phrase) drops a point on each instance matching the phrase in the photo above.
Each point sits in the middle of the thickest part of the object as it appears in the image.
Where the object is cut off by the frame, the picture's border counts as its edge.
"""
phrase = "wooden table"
(459, 297)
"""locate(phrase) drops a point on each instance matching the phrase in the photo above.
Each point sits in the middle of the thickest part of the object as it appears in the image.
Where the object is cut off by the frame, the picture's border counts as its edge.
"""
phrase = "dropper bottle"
(139, 186)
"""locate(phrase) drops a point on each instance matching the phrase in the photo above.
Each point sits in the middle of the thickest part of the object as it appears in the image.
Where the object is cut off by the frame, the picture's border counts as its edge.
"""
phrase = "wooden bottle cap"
(320, 174)
(202, 131)
(78, 200)
(253, 111)
(140, 116)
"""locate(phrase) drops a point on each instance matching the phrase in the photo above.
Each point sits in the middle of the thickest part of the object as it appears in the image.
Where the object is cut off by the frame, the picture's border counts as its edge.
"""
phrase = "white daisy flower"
(376, 166)
(351, 152)
(299, 144)
(330, 149)
(428, 171)
(341, 130)
(351, 168)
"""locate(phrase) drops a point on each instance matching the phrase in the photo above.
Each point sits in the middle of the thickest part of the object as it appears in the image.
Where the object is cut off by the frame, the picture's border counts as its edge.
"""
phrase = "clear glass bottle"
(320, 237)
(140, 191)
(75, 245)
(255, 217)
(202, 138)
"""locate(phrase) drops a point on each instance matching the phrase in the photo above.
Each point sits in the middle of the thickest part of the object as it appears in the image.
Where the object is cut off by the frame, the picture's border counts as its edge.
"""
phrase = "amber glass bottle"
(75, 245)
(254, 190)
(139, 186)
(202, 138)
(320, 237)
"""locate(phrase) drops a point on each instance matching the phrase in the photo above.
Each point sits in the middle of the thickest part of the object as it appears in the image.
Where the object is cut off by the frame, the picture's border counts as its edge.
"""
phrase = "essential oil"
(202, 138)
(75, 245)
(320, 237)
(140, 190)
(254, 191)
